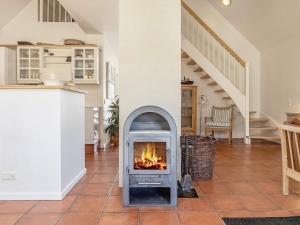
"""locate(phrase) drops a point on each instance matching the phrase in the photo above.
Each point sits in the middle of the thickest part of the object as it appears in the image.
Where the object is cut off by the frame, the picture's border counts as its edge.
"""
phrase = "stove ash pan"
(150, 158)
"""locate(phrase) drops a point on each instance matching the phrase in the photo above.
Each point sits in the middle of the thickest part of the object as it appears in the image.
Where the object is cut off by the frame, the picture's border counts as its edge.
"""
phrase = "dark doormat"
(263, 221)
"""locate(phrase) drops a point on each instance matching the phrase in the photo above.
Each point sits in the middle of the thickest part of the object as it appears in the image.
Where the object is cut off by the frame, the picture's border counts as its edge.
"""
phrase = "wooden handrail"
(209, 30)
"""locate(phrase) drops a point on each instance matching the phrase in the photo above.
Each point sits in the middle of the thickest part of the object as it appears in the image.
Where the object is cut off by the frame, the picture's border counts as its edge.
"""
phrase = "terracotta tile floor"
(246, 183)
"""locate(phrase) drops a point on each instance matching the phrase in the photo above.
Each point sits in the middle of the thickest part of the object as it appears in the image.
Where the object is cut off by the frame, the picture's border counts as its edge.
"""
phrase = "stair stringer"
(237, 97)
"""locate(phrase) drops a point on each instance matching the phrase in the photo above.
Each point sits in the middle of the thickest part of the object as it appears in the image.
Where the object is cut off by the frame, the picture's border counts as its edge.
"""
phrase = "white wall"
(72, 137)
(236, 41)
(25, 27)
(9, 9)
(280, 79)
(109, 55)
(30, 147)
(214, 99)
(149, 48)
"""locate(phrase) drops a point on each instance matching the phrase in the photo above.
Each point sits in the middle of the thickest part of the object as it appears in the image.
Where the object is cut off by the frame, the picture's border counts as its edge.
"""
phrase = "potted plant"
(112, 128)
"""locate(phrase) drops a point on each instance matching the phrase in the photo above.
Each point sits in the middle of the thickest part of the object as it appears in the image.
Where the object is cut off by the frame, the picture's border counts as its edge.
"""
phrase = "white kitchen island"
(42, 141)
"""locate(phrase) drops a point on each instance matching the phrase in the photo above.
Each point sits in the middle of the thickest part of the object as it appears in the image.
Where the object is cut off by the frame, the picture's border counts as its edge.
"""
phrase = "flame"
(149, 159)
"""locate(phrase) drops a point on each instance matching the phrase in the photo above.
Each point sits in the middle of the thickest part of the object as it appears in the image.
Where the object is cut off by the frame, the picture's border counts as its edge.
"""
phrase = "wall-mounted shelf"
(56, 56)
(57, 62)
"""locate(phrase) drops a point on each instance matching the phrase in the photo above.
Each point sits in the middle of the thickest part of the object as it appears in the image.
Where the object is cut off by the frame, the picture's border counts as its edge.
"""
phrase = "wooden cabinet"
(29, 64)
(85, 65)
(188, 109)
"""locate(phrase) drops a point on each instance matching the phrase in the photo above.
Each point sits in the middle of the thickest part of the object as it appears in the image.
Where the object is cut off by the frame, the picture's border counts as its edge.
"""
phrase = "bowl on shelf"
(53, 82)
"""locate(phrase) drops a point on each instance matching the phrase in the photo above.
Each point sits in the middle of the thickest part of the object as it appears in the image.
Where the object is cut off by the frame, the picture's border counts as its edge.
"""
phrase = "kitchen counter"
(41, 87)
(42, 141)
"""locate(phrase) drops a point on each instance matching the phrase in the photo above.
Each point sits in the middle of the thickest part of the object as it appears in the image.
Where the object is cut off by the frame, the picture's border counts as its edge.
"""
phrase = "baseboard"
(69, 187)
(6, 196)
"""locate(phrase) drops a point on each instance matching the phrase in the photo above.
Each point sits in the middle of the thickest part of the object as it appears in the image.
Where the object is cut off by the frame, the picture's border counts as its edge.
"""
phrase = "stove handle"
(141, 183)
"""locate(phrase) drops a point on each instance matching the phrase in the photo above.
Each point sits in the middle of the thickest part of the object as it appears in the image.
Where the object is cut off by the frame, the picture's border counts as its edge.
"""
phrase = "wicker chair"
(221, 120)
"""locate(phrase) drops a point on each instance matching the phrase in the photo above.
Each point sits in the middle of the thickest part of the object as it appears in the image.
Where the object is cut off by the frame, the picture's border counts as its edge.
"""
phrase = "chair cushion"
(217, 124)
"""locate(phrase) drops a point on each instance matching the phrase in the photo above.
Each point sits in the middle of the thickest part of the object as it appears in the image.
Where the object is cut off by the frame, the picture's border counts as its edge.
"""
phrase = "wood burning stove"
(150, 158)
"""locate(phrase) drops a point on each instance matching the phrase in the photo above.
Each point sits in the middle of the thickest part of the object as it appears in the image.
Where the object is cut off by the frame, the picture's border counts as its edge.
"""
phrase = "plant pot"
(114, 141)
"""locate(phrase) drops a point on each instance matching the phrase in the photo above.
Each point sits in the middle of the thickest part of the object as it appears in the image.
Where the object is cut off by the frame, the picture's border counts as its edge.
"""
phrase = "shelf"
(58, 56)
(29, 68)
(57, 62)
(24, 58)
(59, 46)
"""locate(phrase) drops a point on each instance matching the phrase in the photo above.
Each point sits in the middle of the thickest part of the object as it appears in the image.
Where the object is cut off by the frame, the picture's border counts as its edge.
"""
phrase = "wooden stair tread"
(184, 55)
(198, 70)
(191, 63)
(219, 91)
(212, 83)
(252, 112)
(204, 77)
(259, 119)
(264, 128)
(226, 98)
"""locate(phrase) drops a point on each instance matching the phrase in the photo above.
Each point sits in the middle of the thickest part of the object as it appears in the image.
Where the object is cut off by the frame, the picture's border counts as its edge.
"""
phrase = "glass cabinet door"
(188, 109)
(85, 65)
(29, 64)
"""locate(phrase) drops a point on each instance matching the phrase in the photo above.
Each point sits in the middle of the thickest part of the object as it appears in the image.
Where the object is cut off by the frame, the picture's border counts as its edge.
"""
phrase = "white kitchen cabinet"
(37, 62)
(8, 66)
(29, 64)
(85, 65)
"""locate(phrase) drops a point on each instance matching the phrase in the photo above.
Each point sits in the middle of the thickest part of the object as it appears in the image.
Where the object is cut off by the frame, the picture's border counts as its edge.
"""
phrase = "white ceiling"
(263, 22)
(9, 9)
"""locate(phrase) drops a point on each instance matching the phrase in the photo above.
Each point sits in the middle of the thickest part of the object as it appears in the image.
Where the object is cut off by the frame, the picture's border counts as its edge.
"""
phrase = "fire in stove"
(150, 156)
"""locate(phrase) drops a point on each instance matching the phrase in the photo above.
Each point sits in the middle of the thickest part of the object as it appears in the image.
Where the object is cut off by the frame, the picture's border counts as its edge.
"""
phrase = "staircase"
(223, 70)
(262, 128)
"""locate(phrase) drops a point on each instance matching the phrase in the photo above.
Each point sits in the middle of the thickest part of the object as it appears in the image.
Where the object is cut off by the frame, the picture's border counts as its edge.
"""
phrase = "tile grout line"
(25, 213)
(107, 199)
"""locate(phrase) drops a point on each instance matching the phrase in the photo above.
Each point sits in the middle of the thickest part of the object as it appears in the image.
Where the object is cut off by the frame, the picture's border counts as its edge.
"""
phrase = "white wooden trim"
(6, 196)
(69, 187)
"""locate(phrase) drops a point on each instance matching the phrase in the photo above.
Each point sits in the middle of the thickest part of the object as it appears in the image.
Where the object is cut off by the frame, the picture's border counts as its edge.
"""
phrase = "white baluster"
(208, 43)
(197, 36)
(224, 51)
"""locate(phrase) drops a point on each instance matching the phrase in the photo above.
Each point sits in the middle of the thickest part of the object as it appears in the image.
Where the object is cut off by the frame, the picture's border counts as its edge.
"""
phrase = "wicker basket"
(202, 151)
